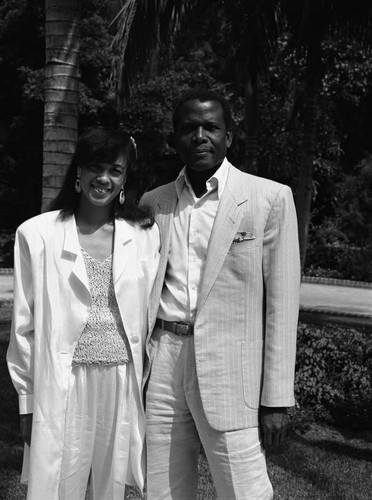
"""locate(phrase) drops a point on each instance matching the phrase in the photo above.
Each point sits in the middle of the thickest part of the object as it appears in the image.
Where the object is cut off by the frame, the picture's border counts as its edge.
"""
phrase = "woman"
(82, 277)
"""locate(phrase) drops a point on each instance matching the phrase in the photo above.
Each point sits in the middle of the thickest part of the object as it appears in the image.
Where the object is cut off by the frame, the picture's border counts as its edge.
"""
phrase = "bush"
(6, 248)
(334, 375)
(320, 272)
(330, 254)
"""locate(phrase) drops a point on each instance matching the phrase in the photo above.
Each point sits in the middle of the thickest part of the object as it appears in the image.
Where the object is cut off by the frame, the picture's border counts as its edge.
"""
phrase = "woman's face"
(102, 182)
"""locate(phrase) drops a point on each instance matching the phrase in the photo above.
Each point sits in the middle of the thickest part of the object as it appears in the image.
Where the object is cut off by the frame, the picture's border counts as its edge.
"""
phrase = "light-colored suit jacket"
(51, 307)
(247, 310)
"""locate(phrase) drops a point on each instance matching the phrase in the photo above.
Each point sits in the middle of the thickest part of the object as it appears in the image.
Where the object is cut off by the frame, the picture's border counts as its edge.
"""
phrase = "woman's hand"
(26, 426)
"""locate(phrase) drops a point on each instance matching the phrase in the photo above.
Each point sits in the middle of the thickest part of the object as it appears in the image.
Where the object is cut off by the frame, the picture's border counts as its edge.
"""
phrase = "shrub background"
(334, 375)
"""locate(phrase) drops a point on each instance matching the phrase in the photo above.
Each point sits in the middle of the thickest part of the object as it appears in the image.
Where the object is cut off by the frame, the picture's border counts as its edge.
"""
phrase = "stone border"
(337, 282)
(6, 270)
(315, 310)
(305, 279)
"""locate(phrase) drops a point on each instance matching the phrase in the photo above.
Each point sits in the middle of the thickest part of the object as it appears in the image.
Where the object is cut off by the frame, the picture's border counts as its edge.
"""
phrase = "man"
(225, 308)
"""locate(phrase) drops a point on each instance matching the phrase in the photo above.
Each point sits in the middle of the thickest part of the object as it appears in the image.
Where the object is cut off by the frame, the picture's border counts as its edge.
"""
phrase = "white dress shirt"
(193, 223)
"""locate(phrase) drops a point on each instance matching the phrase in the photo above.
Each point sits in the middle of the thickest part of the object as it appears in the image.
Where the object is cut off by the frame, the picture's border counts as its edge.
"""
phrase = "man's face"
(201, 138)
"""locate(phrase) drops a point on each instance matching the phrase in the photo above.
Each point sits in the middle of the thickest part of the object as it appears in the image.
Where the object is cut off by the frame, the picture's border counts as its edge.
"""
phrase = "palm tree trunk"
(61, 92)
(250, 111)
(305, 177)
(152, 66)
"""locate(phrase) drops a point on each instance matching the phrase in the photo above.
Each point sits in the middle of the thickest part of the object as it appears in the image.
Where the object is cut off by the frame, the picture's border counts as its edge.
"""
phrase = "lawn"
(316, 462)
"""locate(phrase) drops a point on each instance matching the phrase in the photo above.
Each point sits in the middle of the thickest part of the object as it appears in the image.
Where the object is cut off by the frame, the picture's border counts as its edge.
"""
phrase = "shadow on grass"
(338, 470)
(340, 448)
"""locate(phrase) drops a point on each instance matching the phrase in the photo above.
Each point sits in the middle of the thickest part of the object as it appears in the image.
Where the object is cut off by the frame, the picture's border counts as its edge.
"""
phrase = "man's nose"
(199, 134)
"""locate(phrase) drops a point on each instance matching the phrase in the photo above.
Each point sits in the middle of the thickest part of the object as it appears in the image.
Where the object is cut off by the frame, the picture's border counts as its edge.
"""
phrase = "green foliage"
(21, 54)
(330, 248)
(334, 374)
(281, 135)
(6, 248)
(96, 91)
(320, 272)
(348, 70)
(343, 243)
(354, 213)
(149, 113)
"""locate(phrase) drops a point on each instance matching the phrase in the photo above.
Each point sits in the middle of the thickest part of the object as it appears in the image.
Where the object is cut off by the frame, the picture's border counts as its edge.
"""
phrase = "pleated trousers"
(100, 431)
(177, 426)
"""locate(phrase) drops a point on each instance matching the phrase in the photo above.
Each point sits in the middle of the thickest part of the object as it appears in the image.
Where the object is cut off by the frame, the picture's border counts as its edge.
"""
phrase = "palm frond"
(124, 19)
(142, 27)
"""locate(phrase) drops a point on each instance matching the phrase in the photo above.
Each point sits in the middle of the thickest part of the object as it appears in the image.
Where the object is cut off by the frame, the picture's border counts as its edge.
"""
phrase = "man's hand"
(274, 422)
(26, 426)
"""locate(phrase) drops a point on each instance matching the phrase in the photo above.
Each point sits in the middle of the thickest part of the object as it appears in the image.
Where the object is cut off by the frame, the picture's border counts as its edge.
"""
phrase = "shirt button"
(134, 339)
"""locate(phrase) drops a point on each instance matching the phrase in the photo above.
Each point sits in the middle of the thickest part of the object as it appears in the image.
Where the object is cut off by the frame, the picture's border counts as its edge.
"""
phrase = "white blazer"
(51, 307)
(246, 320)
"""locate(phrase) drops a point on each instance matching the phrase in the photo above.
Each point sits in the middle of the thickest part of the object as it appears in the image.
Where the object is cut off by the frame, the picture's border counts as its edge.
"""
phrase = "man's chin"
(200, 166)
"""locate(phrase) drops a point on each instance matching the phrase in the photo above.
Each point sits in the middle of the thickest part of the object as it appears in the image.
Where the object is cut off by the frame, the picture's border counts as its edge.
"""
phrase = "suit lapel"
(225, 226)
(121, 257)
(71, 247)
(72, 250)
(164, 215)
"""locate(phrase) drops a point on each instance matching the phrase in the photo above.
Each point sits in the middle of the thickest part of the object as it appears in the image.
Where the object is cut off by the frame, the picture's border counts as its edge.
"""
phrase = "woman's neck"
(90, 218)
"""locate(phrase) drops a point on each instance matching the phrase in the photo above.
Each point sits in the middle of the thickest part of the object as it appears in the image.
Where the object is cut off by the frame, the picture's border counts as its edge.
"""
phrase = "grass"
(316, 462)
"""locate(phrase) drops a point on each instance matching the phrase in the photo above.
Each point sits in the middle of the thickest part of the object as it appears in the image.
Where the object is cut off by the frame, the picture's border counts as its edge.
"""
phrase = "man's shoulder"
(158, 193)
(251, 181)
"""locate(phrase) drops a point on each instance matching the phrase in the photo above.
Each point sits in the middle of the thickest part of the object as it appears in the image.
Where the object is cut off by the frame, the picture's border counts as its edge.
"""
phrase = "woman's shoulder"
(139, 231)
(40, 223)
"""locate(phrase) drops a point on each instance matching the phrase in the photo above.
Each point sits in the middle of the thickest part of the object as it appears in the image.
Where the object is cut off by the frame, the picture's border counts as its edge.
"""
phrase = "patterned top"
(103, 340)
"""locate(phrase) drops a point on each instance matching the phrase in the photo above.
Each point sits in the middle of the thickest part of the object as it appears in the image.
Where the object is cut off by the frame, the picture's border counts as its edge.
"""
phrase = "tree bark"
(304, 189)
(61, 92)
(250, 111)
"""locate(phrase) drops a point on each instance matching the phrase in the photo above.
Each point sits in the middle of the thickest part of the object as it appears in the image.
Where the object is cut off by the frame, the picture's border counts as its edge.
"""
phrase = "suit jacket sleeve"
(281, 271)
(20, 355)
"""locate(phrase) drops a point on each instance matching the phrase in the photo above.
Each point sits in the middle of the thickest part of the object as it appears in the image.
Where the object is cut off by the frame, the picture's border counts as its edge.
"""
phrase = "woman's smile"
(100, 189)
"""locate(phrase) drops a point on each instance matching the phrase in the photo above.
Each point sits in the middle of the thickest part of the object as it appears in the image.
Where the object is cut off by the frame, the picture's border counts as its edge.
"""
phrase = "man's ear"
(229, 138)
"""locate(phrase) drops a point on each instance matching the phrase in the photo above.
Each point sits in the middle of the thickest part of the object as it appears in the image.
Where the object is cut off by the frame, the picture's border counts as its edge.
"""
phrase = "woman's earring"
(78, 185)
(121, 196)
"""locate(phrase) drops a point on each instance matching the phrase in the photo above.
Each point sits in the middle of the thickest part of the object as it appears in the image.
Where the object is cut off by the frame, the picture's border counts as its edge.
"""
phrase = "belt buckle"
(182, 329)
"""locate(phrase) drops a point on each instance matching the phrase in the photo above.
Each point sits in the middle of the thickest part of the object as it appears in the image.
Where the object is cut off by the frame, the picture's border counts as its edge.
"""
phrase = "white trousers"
(98, 434)
(176, 426)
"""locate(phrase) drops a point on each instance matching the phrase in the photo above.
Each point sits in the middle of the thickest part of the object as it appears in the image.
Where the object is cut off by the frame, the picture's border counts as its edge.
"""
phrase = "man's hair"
(203, 95)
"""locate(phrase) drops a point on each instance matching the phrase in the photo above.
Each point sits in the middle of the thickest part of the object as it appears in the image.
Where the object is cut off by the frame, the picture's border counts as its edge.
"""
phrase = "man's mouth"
(200, 151)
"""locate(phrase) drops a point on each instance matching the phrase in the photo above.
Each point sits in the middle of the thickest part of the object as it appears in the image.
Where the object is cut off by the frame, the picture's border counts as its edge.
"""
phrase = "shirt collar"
(218, 179)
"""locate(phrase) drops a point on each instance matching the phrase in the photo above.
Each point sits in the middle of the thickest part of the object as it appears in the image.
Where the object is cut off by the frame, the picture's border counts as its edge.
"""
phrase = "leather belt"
(175, 327)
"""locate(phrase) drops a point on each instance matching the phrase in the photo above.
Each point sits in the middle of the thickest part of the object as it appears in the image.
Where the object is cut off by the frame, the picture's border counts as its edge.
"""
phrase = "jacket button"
(134, 339)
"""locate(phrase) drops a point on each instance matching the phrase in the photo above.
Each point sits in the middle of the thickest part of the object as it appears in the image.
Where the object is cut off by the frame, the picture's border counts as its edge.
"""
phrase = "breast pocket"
(244, 246)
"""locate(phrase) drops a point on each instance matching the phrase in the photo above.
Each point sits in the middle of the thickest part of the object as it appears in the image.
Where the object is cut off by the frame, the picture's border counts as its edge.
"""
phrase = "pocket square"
(243, 236)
